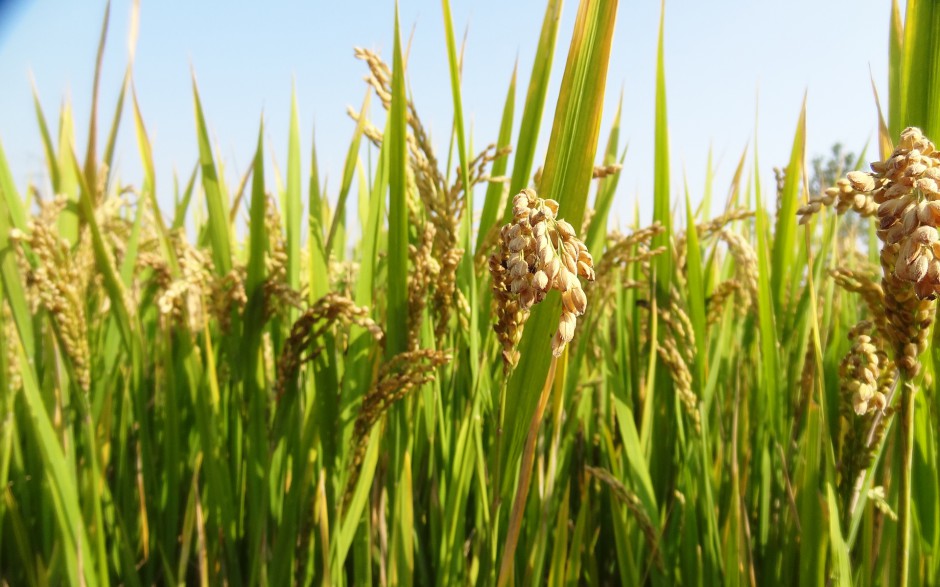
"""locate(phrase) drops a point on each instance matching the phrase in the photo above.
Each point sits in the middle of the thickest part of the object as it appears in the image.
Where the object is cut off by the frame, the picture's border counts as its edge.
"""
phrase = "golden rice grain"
(537, 253)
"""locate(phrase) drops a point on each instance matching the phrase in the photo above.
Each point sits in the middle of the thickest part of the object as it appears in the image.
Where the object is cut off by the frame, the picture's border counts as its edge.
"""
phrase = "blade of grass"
(91, 156)
(466, 277)
(10, 208)
(348, 171)
(402, 563)
(534, 103)
(493, 201)
(460, 136)
(397, 321)
(130, 334)
(319, 275)
(895, 71)
(924, 470)
(767, 398)
(696, 293)
(347, 530)
(920, 54)
(596, 236)
(219, 229)
(182, 207)
(840, 552)
(884, 136)
(357, 376)
(48, 148)
(768, 336)
(8, 195)
(293, 211)
(149, 187)
(812, 545)
(108, 157)
(255, 388)
(69, 175)
(76, 547)
(785, 232)
(566, 176)
(257, 230)
(662, 212)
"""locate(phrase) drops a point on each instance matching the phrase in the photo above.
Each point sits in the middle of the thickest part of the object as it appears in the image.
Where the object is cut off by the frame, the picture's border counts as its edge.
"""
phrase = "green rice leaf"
(219, 229)
(895, 71)
(397, 321)
(920, 84)
(105, 264)
(494, 200)
(768, 329)
(293, 211)
(319, 273)
(257, 230)
(662, 197)
(91, 156)
(596, 236)
(65, 496)
(534, 103)
(108, 156)
(348, 171)
(9, 196)
(696, 294)
(567, 175)
(11, 209)
(842, 564)
(51, 162)
(785, 232)
(347, 529)
(182, 206)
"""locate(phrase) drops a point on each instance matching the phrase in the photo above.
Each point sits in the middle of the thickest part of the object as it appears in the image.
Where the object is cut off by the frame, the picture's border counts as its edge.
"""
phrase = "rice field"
(463, 374)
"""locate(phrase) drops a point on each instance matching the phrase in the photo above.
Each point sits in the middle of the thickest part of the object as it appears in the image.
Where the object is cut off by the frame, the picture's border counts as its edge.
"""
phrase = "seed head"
(59, 286)
(537, 253)
(905, 189)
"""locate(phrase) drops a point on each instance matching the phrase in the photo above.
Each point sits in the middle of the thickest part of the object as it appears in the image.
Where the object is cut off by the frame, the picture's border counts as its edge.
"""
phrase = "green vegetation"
(749, 399)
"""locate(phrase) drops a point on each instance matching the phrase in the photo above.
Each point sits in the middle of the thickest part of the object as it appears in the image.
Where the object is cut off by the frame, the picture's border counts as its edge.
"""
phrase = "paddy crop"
(465, 373)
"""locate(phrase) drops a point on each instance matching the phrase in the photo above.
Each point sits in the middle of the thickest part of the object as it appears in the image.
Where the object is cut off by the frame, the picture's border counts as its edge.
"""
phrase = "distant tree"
(828, 169)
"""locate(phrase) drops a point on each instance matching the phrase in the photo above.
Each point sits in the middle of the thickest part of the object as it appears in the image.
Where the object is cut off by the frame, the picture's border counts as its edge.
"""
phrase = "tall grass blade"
(76, 547)
(218, 226)
(494, 201)
(397, 322)
(566, 176)
(606, 187)
(785, 230)
(348, 171)
(696, 293)
(91, 156)
(534, 103)
(318, 280)
(920, 83)
(895, 71)
(12, 216)
(293, 211)
(662, 196)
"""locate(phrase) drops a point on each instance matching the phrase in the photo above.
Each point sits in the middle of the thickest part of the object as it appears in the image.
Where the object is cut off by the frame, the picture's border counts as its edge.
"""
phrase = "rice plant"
(513, 391)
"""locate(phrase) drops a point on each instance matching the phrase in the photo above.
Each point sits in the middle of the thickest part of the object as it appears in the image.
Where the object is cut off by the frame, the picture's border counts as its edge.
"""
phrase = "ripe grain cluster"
(463, 369)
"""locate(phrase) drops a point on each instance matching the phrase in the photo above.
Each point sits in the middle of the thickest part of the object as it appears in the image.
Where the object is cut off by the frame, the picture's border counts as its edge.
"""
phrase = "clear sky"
(728, 62)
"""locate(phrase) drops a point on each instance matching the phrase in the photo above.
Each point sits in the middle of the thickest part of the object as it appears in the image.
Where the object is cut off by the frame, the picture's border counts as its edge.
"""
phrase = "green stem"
(496, 501)
(525, 474)
(904, 496)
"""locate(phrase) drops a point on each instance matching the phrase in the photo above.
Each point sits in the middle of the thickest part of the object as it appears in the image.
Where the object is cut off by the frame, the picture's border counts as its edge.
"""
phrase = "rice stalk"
(906, 189)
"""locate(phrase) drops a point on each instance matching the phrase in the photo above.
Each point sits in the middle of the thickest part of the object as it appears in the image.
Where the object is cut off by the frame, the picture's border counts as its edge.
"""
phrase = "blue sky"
(729, 63)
